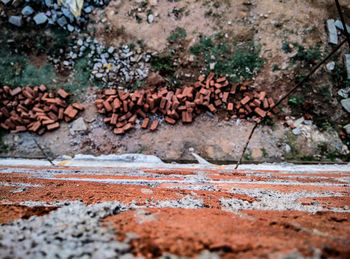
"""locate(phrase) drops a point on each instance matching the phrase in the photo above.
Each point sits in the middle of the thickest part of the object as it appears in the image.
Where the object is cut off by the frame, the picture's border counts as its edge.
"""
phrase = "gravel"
(72, 231)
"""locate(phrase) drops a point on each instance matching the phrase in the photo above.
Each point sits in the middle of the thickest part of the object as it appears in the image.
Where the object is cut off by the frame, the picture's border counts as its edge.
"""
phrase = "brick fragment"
(271, 102)
(212, 108)
(154, 125)
(221, 79)
(201, 78)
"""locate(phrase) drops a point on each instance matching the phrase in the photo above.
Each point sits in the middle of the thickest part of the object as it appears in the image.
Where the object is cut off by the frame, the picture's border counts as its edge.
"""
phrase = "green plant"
(177, 34)
(235, 62)
(264, 152)
(308, 56)
(275, 68)
(286, 48)
(163, 64)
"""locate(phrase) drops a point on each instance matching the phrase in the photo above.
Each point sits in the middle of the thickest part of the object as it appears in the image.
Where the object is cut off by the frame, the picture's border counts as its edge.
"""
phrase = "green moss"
(177, 34)
(236, 62)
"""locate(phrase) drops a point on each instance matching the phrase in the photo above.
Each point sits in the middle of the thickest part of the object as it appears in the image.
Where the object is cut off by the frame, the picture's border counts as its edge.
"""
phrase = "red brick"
(118, 131)
(243, 88)
(133, 119)
(121, 124)
(145, 123)
(212, 108)
(163, 103)
(230, 107)
(62, 93)
(154, 125)
(27, 94)
(125, 106)
(271, 102)
(221, 79)
(21, 128)
(262, 96)
(107, 120)
(170, 120)
(260, 112)
(47, 122)
(78, 106)
(201, 78)
(53, 126)
(127, 127)
(15, 91)
(70, 112)
(60, 113)
(225, 97)
(4, 126)
(114, 119)
(248, 109)
(124, 96)
(265, 104)
(116, 104)
(107, 106)
(52, 116)
(42, 88)
(257, 102)
(245, 100)
(217, 102)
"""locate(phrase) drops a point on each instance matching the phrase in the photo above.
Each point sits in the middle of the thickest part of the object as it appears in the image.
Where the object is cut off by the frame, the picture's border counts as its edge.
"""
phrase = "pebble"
(296, 131)
(27, 10)
(16, 20)
(330, 66)
(40, 18)
(150, 18)
(288, 148)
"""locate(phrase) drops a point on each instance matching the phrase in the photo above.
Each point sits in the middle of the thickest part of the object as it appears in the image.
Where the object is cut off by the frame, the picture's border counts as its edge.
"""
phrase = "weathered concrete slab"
(185, 210)
(332, 32)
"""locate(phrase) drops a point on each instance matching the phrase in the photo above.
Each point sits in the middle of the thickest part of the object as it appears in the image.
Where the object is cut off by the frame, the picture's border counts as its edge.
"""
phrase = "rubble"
(110, 65)
(346, 104)
(34, 109)
(123, 107)
(53, 14)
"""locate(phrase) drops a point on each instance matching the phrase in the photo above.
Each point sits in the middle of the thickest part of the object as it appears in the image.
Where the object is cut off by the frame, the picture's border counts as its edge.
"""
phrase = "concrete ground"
(137, 206)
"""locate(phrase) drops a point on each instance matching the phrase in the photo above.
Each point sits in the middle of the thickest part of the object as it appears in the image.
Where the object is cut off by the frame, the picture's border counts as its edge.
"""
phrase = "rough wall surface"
(154, 210)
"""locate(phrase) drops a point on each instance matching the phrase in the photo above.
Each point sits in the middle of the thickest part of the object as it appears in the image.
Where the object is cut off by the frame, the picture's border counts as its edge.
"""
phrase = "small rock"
(346, 104)
(70, 28)
(330, 66)
(16, 20)
(347, 64)
(212, 66)
(27, 10)
(347, 128)
(62, 21)
(296, 131)
(49, 3)
(40, 18)
(150, 18)
(344, 92)
(110, 50)
(332, 31)
(77, 126)
(88, 9)
(288, 148)
(99, 75)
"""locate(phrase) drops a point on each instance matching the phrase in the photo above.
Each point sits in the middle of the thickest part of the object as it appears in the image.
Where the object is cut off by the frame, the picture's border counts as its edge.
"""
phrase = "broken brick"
(15, 91)
(145, 123)
(118, 131)
(230, 107)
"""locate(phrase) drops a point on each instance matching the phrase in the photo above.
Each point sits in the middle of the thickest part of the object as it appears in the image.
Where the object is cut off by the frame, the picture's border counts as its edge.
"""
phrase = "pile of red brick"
(122, 108)
(34, 109)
